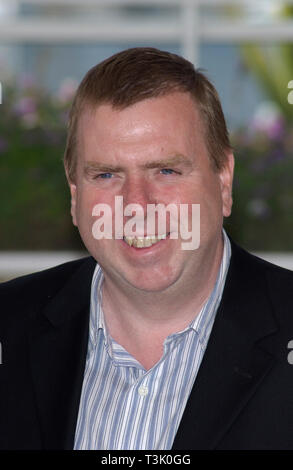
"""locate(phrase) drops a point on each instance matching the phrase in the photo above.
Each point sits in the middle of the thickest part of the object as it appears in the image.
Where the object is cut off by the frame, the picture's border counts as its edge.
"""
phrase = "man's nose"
(138, 191)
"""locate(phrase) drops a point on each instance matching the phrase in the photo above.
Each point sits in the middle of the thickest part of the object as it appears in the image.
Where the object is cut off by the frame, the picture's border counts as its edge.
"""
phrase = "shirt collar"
(203, 322)
(96, 314)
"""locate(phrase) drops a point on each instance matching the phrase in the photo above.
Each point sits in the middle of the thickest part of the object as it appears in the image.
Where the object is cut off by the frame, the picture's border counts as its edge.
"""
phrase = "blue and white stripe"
(122, 405)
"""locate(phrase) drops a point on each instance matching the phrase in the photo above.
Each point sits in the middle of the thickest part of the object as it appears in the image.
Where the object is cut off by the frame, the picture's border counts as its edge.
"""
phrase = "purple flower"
(269, 121)
(25, 105)
(67, 90)
(30, 120)
(275, 130)
(26, 81)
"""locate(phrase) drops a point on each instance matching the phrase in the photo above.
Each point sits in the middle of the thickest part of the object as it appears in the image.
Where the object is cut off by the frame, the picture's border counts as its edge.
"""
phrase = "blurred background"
(46, 47)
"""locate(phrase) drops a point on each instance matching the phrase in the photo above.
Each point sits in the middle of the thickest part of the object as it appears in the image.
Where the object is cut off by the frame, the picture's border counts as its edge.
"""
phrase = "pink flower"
(268, 120)
(26, 81)
(30, 120)
(67, 90)
(25, 105)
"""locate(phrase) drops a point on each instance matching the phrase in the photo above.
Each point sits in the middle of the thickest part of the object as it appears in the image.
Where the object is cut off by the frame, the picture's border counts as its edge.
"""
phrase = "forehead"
(172, 120)
(169, 107)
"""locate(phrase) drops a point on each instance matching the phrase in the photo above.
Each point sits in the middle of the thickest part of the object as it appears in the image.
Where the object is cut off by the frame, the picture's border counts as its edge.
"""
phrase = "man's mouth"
(145, 242)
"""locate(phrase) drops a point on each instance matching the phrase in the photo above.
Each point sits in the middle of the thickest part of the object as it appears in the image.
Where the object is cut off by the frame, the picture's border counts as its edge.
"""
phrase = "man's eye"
(168, 171)
(104, 175)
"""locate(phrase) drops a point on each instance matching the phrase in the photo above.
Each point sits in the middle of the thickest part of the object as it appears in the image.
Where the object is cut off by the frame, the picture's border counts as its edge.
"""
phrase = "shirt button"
(143, 391)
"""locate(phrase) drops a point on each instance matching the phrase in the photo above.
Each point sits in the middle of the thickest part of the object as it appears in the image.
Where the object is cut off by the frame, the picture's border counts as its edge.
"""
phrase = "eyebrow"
(169, 162)
(162, 163)
(102, 167)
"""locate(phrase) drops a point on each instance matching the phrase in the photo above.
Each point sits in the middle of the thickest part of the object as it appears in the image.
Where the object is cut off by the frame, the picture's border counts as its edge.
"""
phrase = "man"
(147, 345)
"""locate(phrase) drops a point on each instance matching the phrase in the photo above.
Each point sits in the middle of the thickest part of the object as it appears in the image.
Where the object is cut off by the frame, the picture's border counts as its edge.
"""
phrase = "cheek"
(85, 203)
(87, 199)
(178, 193)
(88, 212)
(208, 195)
(211, 213)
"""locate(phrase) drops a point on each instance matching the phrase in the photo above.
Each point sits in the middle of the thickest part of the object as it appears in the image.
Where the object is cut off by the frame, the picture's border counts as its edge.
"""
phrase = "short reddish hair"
(135, 74)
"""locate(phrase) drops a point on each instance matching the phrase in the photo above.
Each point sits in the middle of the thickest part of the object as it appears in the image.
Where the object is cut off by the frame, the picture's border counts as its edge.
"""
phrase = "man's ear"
(72, 187)
(226, 177)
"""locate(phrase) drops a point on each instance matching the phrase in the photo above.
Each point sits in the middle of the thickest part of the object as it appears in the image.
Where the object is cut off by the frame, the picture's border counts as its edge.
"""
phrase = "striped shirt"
(122, 405)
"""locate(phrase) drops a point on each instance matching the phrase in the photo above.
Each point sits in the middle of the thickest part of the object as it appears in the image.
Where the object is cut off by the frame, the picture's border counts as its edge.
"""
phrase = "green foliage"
(273, 66)
(263, 194)
(263, 197)
(35, 203)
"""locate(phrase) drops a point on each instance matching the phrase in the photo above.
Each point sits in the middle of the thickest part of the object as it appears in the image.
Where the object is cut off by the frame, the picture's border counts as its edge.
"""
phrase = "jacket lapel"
(58, 352)
(233, 365)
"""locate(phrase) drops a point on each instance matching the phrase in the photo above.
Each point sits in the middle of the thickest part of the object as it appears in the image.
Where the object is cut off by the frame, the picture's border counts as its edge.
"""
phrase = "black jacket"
(243, 394)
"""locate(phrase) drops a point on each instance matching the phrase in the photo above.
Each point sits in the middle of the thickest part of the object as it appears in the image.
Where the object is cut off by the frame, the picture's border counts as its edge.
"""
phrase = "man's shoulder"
(278, 281)
(43, 283)
(251, 260)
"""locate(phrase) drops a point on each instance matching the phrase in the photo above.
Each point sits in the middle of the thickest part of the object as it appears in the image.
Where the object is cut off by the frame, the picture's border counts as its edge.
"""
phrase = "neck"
(140, 318)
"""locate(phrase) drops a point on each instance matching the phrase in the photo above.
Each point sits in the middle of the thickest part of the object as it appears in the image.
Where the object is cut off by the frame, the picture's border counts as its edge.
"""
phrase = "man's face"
(151, 152)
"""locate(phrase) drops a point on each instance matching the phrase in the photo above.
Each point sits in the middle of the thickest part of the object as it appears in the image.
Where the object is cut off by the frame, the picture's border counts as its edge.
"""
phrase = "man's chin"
(151, 284)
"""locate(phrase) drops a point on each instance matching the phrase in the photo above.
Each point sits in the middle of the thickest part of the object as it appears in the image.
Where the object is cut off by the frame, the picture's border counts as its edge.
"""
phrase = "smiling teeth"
(143, 242)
